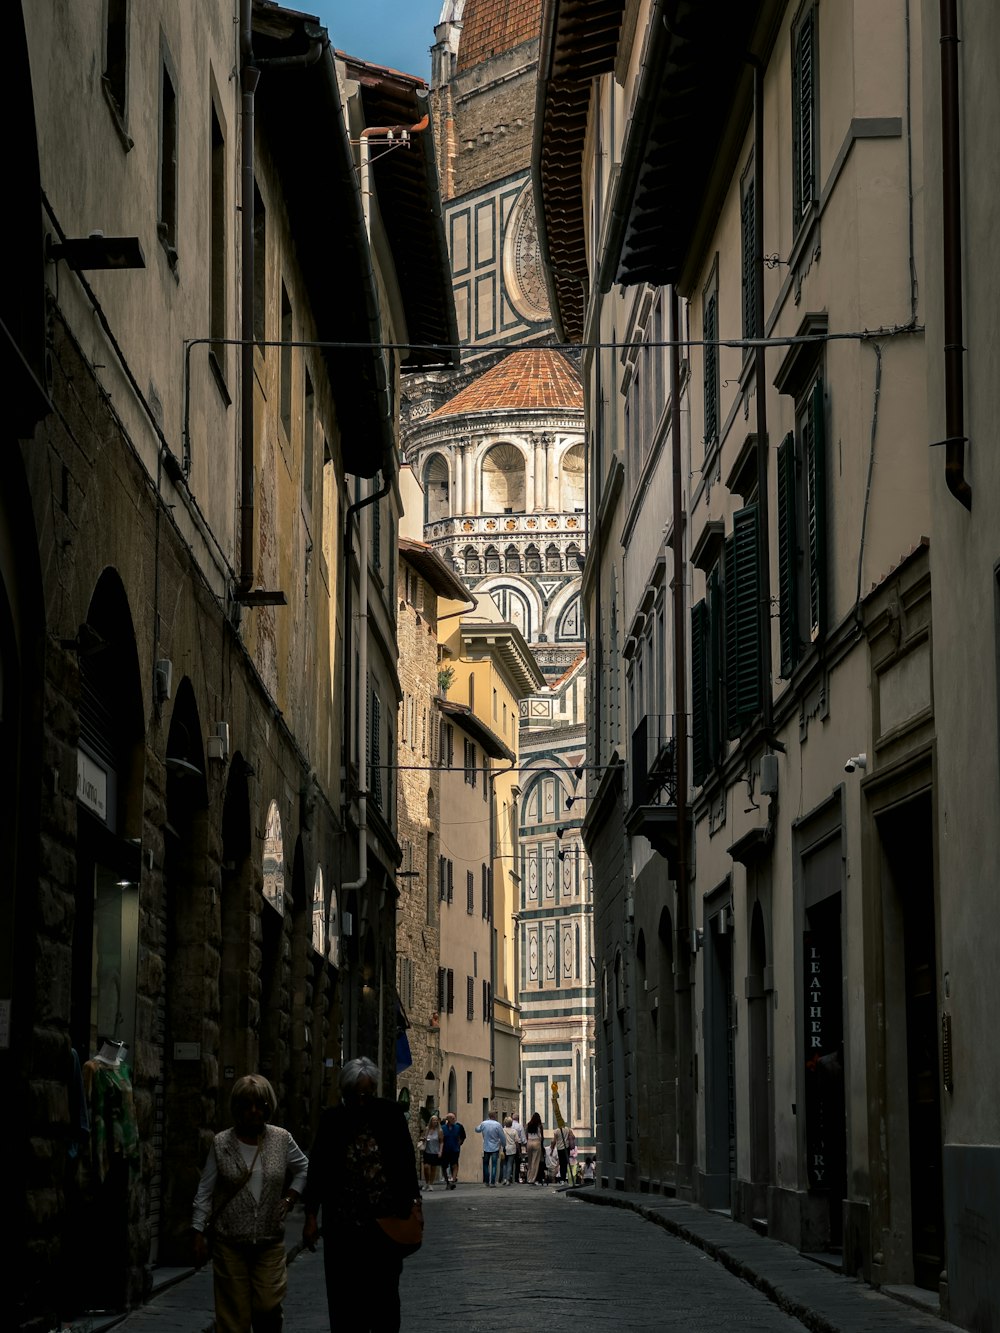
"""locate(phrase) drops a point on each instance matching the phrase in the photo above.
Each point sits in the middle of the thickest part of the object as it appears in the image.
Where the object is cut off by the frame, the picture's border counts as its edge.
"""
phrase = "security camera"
(856, 761)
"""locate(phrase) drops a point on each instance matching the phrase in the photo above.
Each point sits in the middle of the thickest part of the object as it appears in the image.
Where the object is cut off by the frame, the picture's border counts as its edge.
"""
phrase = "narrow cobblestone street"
(522, 1258)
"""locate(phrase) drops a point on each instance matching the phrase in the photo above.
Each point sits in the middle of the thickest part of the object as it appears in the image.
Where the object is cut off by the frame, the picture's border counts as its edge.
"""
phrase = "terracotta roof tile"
(492, 26)
(536, 378)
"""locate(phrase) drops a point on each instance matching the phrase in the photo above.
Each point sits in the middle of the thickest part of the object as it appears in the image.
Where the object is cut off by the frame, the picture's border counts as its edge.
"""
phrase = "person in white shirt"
(492, 1132)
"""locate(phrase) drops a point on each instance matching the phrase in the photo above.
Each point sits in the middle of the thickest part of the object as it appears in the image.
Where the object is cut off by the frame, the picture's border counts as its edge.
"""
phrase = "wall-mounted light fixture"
(697, 939)
(163, 679)
(96, 251)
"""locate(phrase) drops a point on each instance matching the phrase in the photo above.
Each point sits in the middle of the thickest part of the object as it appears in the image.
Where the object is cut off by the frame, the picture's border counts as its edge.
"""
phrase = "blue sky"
(399, 33)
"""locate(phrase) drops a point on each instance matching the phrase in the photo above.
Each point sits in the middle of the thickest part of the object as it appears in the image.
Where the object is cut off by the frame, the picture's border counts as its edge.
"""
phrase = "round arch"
(502, 480)
(436, 477)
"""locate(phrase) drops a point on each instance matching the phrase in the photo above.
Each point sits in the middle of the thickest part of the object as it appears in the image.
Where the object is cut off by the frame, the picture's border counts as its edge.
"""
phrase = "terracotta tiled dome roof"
(492, 26)
(536, 378)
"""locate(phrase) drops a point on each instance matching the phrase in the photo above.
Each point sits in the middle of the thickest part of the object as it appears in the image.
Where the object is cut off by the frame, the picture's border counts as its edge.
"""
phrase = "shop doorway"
(912, 1008)
(720, 1060)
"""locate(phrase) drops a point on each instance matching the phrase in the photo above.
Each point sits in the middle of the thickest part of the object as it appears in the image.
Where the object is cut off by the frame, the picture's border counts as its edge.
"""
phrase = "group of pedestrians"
(507, 1147)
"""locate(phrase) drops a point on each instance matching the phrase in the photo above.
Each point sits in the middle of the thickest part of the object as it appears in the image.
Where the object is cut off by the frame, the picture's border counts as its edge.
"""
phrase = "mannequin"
(112, 1053)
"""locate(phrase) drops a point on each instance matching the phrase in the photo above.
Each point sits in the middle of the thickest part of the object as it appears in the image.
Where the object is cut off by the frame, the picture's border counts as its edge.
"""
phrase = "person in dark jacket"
(362, 1167)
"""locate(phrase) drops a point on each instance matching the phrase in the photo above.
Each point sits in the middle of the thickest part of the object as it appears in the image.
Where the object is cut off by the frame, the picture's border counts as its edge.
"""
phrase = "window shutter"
(804, 116)
(451, 990)
(715, 667)
(442, 989)
(470, 998)
(470, 892)
(711, 332)
(375, 750)
(742, 622)
(699, 694)
(451, 881)
(747, 223)
(816, 511)
(788, 557)
(442, 878)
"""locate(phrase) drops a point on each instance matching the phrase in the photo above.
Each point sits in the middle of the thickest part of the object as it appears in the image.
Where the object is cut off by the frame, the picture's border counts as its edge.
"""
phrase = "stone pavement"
(544, 1259)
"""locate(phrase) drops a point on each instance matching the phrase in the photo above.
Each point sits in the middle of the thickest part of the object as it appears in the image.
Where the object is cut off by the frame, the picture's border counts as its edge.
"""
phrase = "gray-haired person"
(362, 1167)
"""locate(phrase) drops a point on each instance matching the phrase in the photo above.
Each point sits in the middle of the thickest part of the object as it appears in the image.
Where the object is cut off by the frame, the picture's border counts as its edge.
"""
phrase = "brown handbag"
(405, 1232)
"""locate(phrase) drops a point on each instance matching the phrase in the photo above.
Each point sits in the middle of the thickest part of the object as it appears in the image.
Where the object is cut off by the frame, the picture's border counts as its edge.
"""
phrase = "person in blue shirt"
(453, 1135)
(492, 1132)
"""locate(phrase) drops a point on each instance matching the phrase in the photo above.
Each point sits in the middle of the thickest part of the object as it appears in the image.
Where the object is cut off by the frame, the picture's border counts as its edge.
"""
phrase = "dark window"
(486, 1001)
(217, 256)
(442, 989)
(710, 333)
(470, 892)
(708, 678)
(486, 893)
(451, 991)
(285, 364)
(805, 66)
(116, 53)
(470, 998)
(470, 762)
(451, 881)
(742, 619)
(259, 268)
(167, 223)
(802, 574)
(468, 1086)
(443, 877)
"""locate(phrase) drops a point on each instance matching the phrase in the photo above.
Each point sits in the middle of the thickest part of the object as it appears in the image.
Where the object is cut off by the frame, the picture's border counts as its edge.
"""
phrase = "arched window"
(553, 560)
(532, 559)
(437, 494)
(512, 560)
(572, 476)
(470, 559)
(574, 559)
(274, 860)
(492, 560)
(503, 488)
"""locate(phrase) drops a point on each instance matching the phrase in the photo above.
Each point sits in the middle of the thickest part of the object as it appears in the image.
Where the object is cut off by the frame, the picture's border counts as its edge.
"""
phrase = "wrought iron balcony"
(652, 811)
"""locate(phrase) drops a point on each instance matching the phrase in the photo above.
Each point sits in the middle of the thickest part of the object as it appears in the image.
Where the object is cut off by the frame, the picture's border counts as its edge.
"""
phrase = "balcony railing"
(652, 809)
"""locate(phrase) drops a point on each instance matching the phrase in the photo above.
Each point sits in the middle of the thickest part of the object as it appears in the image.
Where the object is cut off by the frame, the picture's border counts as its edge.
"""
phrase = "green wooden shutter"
(804, 115)
(788, 557)
(715, 666)
(710, 330)
(699, 700)
(816, 511)
(747, 225)
(375, 750)
(743, 676)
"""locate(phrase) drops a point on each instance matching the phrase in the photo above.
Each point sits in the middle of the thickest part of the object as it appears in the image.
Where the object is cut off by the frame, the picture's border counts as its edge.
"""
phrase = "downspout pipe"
(763, 513)
(249, 78)
(951, 194)
(684, 1016)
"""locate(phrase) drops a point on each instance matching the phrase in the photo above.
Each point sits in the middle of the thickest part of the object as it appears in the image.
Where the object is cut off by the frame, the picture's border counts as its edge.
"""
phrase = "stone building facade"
(176, 538)
(780, 755)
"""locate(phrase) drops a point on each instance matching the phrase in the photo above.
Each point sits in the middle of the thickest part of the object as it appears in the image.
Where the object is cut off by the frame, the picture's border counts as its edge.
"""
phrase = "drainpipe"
(951, 192)
(249, 77)
(763, 517)
(391, 133)
(682, 934)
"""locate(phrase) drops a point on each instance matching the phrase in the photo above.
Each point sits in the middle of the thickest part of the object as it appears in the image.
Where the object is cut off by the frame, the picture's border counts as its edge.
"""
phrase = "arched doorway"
(188, 879)
(110, 775)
